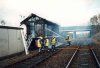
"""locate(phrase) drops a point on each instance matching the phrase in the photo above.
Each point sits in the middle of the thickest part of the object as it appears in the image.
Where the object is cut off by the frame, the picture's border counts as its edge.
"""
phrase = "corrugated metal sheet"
(10, 41)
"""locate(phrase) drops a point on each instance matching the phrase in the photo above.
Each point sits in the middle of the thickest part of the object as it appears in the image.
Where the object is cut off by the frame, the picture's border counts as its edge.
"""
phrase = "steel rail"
(95, 57)
(72, 58)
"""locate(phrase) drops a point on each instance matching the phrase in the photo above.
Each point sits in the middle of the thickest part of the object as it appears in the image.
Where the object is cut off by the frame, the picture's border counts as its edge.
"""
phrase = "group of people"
(44, 42)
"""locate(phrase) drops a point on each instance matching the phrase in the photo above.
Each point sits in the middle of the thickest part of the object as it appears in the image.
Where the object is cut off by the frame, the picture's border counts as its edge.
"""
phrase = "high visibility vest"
(46, 42)
(39, 43)
(53, 41)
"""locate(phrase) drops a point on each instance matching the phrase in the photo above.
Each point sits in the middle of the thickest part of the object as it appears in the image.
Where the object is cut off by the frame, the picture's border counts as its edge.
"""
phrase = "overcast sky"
(62, 12)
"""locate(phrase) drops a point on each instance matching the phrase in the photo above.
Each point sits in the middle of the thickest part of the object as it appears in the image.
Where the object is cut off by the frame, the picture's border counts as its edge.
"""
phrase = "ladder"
(27, 42)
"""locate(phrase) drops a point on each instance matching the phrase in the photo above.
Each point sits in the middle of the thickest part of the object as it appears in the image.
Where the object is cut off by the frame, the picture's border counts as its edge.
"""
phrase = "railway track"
(83, 58)
(33, 61)
(60, 59)
(75, 57)
(70, 57)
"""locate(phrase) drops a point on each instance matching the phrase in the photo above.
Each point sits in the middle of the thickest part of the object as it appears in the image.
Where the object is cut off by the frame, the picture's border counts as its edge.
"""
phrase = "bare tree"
(95, 23)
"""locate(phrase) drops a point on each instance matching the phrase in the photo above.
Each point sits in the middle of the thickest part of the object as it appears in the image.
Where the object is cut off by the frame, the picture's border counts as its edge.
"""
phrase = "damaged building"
(37, 26)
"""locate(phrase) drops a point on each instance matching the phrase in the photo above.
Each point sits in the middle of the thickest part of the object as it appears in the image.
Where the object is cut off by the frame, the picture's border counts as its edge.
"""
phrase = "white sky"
(62, 12)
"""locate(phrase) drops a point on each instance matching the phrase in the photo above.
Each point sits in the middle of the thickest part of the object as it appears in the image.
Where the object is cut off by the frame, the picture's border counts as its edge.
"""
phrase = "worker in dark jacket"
(42, 43)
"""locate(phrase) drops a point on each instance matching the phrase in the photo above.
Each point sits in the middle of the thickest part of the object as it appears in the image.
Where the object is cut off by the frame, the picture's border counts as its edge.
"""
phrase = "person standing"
(53, 42)
(38, 42)
(46, 41)
(42, 43)
(68, 40)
